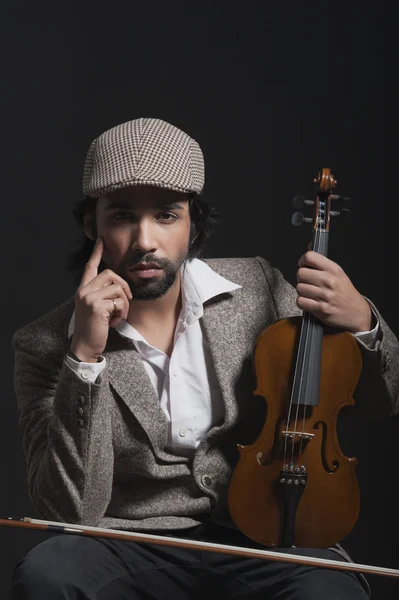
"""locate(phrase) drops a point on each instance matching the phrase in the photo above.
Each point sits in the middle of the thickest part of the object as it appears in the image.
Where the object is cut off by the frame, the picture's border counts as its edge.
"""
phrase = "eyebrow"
(127, 205)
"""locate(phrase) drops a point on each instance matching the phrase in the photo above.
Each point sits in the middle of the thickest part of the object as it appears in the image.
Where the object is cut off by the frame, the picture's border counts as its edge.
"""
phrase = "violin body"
(324, 510)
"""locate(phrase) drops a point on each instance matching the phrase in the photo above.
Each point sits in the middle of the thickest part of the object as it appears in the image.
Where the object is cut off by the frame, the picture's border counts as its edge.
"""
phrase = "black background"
(272, 92)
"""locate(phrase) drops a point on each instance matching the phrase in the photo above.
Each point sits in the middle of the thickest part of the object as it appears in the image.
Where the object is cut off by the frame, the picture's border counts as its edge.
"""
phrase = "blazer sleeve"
(66, 430)
(377, 391)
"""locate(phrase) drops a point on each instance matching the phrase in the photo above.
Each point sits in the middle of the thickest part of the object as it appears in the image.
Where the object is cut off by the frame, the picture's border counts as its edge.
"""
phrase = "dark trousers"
(84, 568)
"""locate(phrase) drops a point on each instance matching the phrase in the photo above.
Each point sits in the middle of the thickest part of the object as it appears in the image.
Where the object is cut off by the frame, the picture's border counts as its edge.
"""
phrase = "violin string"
(317, 248)
(311, 323)
(306, 327)
(289, 410)
(305, 333)
(307, 323)
(305, 362)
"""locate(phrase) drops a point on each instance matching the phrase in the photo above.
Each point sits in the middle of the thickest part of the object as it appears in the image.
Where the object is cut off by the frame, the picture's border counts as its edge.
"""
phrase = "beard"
(151, 289)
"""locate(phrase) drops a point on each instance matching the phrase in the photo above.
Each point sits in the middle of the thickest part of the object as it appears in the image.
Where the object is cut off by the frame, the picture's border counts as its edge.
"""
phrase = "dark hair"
(202, 216)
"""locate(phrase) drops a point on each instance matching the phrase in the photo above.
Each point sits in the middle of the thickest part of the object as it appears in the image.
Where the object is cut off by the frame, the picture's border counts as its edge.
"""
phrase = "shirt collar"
(206, 282)
(200, 283)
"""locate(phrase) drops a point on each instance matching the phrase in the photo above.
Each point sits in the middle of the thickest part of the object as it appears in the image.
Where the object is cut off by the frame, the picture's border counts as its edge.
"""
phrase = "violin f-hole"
(323, 448)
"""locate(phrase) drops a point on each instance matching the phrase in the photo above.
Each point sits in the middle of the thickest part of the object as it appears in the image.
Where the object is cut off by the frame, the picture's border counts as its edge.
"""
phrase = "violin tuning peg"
(300, 202)
(298, 218)
(342, 199)
(344, 212)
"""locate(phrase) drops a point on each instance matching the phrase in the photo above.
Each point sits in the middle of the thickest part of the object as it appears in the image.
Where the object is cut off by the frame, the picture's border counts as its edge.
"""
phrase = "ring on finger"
(115, 308)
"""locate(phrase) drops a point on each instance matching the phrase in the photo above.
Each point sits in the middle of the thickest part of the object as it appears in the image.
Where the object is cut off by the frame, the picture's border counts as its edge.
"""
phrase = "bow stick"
(67, 528)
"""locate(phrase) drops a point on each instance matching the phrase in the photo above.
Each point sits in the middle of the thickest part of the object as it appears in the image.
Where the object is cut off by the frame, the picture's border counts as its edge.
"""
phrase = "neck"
(152, 312)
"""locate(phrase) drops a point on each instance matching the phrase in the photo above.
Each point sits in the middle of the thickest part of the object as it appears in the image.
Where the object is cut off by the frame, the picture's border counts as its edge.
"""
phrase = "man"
(134, 394)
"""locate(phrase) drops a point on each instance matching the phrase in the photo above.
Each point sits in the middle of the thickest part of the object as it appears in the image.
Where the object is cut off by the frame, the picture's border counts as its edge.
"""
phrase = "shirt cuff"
(87, 371)
(369, 338)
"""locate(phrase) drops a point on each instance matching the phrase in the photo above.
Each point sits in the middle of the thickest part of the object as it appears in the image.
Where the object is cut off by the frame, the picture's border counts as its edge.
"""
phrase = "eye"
(167, 217)
(122, 216)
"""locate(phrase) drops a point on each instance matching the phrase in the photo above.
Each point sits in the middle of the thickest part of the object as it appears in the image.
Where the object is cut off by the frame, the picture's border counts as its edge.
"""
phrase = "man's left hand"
(326, 291)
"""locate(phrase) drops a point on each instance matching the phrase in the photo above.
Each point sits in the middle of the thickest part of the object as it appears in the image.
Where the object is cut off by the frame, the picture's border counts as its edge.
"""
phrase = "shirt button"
(80, 422)
(206, 480)
(85, 374)
(82, 399)
(183, 432)
(175, 373)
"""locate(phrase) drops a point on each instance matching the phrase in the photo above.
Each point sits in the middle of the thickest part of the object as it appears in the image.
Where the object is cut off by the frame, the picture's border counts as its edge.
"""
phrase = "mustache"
(143, 259)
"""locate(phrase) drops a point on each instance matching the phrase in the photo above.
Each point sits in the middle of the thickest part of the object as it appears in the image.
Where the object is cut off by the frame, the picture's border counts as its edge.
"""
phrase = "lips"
(145, 270)
(145, 267)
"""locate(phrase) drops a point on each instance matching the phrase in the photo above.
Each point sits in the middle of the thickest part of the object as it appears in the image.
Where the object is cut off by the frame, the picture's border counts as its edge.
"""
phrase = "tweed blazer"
(96, 453)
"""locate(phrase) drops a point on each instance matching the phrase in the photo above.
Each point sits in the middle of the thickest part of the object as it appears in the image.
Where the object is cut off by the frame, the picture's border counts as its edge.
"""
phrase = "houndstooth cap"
(143, 152)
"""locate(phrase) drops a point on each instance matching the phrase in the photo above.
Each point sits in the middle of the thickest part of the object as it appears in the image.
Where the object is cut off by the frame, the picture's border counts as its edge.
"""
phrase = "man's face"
(146, 233)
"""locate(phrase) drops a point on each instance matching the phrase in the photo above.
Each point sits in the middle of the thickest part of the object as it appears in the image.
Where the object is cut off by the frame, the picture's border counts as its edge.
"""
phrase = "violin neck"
(306, 383)
(320, 241)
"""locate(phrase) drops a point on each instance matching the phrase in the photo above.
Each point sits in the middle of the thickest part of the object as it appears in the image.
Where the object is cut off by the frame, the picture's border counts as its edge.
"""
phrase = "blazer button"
(82, 399)
(80, 411)
(385, 363)
(80, 422)
(206, 481)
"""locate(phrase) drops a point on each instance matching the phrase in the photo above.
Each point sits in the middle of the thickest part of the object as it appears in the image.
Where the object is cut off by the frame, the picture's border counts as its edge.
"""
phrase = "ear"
(193, 233)
(89, 225)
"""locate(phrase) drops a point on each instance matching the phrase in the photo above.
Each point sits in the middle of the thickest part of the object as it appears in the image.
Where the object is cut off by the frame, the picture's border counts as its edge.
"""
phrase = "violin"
(293, 486)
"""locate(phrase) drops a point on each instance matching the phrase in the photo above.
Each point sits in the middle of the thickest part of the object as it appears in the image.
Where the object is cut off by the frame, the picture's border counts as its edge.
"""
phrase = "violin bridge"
(300, 434)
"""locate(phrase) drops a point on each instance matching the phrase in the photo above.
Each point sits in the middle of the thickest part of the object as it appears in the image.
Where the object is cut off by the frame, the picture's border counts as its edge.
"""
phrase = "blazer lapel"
(225, 346)
(128, 377)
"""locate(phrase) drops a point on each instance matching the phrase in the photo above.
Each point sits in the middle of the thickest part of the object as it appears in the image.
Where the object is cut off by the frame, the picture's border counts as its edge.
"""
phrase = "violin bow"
(67, 528)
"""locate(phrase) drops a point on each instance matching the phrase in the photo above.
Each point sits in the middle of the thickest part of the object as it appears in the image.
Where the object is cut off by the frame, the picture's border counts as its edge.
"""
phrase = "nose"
(143, 238)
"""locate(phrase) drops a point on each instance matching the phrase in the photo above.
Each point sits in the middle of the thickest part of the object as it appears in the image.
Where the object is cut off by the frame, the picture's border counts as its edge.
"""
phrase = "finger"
(105, 279)
(111, 292)
(118, 313)
(118, 295)
(91, 268)
(312, 292)
(308, 305)
(312, 277)
(315, 260)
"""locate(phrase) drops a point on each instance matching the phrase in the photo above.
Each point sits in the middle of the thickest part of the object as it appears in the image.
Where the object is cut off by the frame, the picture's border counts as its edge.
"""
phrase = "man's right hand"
(101, 301)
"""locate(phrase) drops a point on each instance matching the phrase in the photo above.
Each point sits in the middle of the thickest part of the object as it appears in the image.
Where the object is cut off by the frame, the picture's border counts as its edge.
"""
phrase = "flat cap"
(143, 152)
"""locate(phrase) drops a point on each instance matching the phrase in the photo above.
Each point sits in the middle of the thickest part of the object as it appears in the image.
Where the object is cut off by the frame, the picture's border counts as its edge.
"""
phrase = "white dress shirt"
(186, 383)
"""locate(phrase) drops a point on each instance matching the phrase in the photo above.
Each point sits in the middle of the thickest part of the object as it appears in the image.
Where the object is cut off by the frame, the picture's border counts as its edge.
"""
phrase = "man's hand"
(101, 302)
(327, 292)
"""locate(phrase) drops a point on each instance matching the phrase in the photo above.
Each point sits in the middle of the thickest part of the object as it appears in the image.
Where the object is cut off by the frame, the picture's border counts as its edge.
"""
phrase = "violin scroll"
(325, 182)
